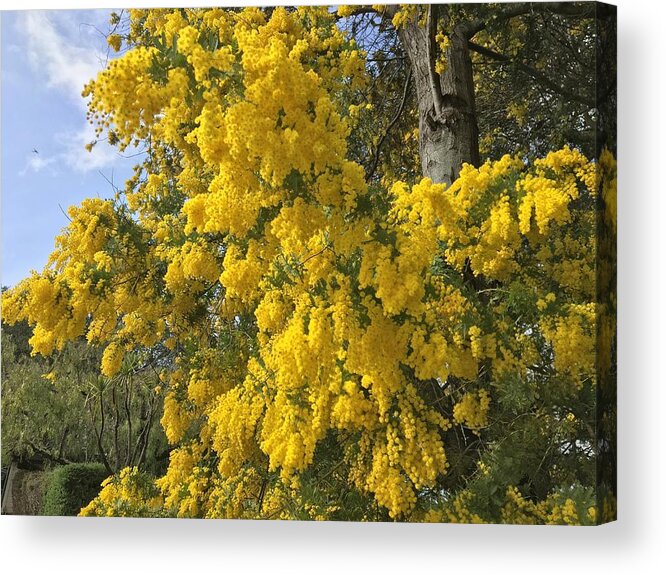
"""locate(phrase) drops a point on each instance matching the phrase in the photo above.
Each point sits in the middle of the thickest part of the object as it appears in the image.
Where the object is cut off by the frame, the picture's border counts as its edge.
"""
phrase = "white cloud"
(36, 163)
(78, 158)
(65, 50)
(65, 53)
(73, 154)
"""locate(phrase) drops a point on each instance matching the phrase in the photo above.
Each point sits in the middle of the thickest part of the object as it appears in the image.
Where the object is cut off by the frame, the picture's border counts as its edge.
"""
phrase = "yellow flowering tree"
(343, 330)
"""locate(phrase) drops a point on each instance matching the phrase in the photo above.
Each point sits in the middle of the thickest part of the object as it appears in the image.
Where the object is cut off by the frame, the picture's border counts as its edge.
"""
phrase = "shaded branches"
(534, 73)
(393, 122)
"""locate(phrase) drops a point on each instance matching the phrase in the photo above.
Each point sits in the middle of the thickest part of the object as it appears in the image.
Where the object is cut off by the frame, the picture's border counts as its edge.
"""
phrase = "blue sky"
(47, 56)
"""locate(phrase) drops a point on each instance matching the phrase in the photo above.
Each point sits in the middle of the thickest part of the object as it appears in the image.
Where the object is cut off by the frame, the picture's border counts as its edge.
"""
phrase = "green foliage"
(59, 410)
(72, 487)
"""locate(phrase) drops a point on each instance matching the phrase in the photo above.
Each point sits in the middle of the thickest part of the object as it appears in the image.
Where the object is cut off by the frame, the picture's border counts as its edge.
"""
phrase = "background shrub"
(72, 487)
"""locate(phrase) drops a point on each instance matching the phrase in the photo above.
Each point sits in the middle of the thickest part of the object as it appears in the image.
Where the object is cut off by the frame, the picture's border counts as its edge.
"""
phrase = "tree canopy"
(361, 249)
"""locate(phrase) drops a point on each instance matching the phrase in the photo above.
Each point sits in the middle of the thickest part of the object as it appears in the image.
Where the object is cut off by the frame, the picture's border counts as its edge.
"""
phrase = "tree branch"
(520, 9)
(61, 448)
(98, 434)
(393, 122)
(46, 453)
(116, 424)
(262, 493)
(534, 73)
(146, 433)
(128, 413)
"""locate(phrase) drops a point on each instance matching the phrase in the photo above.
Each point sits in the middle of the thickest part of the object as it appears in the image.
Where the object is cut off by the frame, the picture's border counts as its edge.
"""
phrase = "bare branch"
(128, 399)
(98, 434)
(116, 424)
(64, 213)
(395, 119)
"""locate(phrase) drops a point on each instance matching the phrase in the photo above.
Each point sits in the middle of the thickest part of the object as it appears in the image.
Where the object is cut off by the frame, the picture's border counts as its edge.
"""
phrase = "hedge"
(72, 487)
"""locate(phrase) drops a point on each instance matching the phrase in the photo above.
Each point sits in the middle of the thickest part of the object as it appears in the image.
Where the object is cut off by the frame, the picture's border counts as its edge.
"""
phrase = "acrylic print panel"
(342, 263)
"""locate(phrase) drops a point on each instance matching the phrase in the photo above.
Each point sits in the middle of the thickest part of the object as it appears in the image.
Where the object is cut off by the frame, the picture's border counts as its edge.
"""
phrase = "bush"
(72, 487)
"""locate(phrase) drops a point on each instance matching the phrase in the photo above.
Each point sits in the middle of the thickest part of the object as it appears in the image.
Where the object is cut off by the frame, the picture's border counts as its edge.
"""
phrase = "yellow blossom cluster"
(405, 13)
(128, 494)
(455, 511)
(115, 41)
(554, 510)
(443, 43)
(608, 182)
(472, 410)
(573, 337)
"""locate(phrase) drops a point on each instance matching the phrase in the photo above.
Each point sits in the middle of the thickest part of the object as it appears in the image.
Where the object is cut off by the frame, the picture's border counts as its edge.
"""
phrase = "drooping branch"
(46, 453)
(540, 77)
(393, 122)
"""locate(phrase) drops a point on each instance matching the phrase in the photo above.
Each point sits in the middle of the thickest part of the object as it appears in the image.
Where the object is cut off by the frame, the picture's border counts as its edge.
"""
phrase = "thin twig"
(64, 213)
(393, 122)
(536, 74)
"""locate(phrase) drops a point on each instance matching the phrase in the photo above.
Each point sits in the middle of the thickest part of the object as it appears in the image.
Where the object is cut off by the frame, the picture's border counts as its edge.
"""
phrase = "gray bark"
(448, 132)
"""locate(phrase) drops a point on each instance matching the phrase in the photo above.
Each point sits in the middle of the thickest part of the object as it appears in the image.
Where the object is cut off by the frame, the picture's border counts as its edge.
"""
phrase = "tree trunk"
(448, 132)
